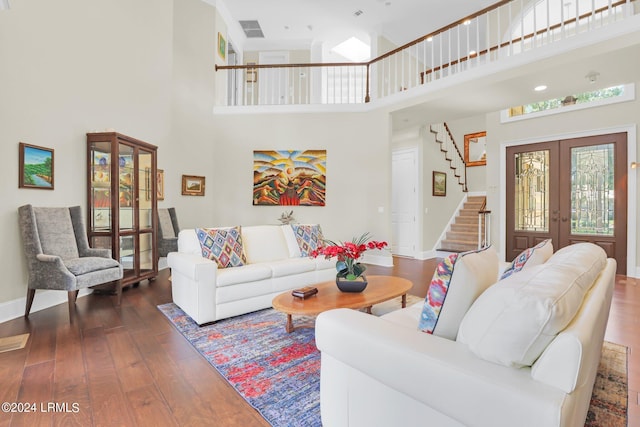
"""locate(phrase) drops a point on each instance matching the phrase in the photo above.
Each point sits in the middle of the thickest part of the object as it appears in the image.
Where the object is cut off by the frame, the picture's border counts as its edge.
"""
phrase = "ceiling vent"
(252, 29)
(358, 12)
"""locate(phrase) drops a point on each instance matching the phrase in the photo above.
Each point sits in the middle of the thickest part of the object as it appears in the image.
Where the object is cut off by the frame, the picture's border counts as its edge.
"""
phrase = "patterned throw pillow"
(539, 254)
(436, 294)
(458, 280)
(222, 245)
(309, 238)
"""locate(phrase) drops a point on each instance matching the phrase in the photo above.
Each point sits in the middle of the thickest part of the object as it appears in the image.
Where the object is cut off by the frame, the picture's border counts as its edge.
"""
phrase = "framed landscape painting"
(36, 167)
(439, 183)
(192, 185)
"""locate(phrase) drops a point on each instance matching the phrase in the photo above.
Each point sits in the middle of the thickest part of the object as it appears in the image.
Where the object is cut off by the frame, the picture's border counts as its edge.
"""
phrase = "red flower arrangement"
(348, 254)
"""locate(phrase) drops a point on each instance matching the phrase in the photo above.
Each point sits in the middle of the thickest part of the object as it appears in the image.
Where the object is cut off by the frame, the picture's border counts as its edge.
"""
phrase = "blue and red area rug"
(276, 372)
(279, 373)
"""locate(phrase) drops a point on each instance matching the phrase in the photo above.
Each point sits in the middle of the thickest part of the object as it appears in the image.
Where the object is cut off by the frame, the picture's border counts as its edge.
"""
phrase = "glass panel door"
(127, 184)
(100, 186)
(146, 189)
(532, 191)
(592, 190)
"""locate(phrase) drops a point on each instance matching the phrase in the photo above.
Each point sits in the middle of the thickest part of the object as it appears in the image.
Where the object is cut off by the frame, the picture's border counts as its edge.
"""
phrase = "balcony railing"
(507, 28)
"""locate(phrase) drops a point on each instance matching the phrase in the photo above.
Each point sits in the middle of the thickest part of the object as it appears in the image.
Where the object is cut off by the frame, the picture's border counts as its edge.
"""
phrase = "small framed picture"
(192, 185)
(222, 46)
(439, 183)
(35, 167)
(160, 184)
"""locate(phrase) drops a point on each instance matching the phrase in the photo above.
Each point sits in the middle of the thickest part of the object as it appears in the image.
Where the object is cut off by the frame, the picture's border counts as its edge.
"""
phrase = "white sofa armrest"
(193, 285)
(441, 374)
(195, 267)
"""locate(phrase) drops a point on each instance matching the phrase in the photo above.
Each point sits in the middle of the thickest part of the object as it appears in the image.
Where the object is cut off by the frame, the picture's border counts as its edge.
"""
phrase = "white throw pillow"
(513, 321)
(457, 281)
(539, 254)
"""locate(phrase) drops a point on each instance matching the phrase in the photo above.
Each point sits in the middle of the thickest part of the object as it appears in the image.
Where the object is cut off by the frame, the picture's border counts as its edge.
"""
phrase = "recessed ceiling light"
(467, 22)
(358, 12)
(472, 53)
(429, 39)
(540, 88)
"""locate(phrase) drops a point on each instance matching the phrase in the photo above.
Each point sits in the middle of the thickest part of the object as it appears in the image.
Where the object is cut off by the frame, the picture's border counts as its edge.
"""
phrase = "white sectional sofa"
(274, 264)
(526, 353)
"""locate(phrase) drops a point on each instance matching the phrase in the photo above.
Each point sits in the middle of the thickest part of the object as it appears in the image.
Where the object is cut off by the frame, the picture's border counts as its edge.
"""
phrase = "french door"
(570, 191)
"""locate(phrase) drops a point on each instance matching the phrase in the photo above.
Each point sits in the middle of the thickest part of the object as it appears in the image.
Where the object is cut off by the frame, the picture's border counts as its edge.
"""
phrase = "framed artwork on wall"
(289, 177)
(160, 184)
(222, 46)
(192, 185)
(35, 167)
(439, 183)
(475, 149)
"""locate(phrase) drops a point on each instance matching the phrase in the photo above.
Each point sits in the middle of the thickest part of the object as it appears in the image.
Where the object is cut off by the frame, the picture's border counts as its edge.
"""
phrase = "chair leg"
(118, 292)
(71, 297)
(75, 297)
(30, 294)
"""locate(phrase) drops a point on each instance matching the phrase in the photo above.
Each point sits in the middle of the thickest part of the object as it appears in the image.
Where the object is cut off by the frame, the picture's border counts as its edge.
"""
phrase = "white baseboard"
(44, 299)
(382, 258)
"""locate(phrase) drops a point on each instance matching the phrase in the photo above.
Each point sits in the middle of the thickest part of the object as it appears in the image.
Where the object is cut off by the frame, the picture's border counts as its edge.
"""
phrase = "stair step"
(464, 236)
(468, 228)
(457, 246)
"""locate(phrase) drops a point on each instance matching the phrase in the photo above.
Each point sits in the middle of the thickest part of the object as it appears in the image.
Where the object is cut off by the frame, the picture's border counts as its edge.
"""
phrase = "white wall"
(70, 67)
(358, 169)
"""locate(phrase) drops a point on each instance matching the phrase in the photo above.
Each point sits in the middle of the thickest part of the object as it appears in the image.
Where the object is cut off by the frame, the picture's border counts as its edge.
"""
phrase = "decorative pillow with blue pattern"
(309, 238)
(539, 254)
(436, 294)
(457, 281)
(222, 245)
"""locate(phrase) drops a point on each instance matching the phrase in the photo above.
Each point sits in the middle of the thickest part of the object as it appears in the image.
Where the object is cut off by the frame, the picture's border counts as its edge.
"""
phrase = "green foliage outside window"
(585, 97)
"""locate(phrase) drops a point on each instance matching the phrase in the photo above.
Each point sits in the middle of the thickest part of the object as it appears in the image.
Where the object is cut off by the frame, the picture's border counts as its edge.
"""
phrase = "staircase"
(463, 234)
(451, 152)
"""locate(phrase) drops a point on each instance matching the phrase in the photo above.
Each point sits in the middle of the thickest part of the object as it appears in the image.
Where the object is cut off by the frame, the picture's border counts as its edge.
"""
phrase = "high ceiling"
(289, 24)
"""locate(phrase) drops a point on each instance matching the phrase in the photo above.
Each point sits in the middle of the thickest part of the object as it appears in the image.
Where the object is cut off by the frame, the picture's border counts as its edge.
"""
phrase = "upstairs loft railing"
(507, 28)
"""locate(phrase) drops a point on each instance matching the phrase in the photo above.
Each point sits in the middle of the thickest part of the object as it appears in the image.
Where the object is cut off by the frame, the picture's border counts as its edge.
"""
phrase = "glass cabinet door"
(100, 186)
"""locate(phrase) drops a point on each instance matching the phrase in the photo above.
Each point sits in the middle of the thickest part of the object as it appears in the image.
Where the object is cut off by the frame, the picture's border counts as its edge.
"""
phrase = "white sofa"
(382, 371)
(274, 264)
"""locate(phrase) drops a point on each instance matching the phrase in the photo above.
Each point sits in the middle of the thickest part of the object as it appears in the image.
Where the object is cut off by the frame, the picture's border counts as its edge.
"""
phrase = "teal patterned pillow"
(309, 238)
(222, 245)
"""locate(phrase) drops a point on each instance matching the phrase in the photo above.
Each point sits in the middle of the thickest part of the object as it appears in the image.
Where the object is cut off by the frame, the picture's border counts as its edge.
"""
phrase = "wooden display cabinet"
(122, 202)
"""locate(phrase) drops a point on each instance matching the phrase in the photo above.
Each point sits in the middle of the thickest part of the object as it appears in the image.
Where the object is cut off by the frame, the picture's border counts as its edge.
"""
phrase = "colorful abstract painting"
(289, 177)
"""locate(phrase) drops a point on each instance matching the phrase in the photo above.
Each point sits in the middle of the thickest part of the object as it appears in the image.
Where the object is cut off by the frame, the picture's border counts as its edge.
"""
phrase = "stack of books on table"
(305, 292)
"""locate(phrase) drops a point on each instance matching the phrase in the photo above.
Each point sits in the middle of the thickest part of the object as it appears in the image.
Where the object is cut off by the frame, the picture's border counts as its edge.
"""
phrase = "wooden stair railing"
(455, 159)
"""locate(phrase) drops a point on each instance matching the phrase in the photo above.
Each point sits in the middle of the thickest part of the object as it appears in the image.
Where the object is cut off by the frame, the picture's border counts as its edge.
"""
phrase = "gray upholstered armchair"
(58, 254)
(168, 230)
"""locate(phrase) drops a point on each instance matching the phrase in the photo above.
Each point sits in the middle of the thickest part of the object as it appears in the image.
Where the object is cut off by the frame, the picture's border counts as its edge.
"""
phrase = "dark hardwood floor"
(128, 366)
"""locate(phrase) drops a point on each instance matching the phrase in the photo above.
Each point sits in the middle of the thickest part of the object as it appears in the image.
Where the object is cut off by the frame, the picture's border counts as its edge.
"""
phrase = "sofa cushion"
(289, 267)
(264, 243)
(244, 274)
(513, 321)
(457, 281)
(222, 245)
(530, 257)
(308, 236)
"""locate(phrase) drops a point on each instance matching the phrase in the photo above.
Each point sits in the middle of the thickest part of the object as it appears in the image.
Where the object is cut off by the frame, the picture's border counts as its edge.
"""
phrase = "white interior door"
(273, 83)
(404, 181)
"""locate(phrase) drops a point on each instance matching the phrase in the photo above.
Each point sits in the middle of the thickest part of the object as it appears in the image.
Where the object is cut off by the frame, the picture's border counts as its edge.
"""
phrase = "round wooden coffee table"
(379, 289)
